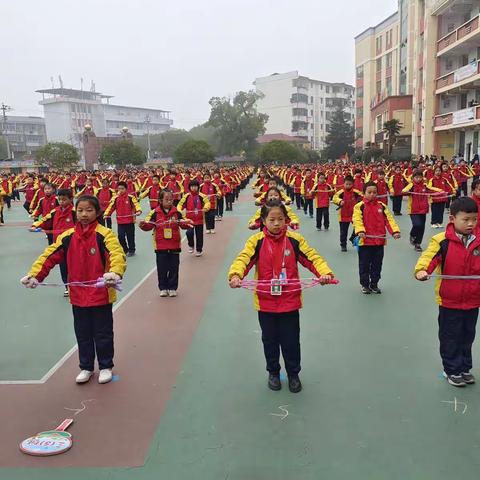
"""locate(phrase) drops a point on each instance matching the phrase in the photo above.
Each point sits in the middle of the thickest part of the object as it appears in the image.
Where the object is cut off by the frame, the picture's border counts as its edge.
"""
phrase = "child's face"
(273, 195)
(418, 179)
(397, 170)
(194, 188)
(86, 212)
(48, 190)
(275, 220)
(476, 191)
(438, 172)
(207, 178)
(348, 185)
(105, 183)
(463, 222)
(321, 179)
(381, 176)
(121, 189)
(63, 201)
(370, 193)
(167, 201)
(272, 183)
(155, 181)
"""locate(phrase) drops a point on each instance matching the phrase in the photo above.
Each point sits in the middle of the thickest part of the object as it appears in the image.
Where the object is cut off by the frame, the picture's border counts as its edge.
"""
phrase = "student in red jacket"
(90, 251)
(455, 252)
(439, 201)
(371, 221)
(396, 184)
(195, 204)
(165, 221)
(62, 218)
(346, 198)
(105, 195)
(322, 192)
(213, 192)
(306, 190)
(275, 252)
(153, 192)
(45, 205)
(127, 208)
(476, 192)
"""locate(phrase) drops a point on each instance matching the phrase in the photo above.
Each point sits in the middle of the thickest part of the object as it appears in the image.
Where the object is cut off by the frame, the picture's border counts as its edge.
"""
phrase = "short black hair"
(193, 183)
(163, 193)
(65, 192)
(369, 184)
(463, 204)
(269, 206)
(348, 178)
(122, 184)
(475, 184)
(91, 200)
(417, 173)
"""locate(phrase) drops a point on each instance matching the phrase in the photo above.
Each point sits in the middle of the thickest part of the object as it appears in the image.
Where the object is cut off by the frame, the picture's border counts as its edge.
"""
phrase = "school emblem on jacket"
(67, 220)
(92, 251)
(380, 210)
(287, 252)
(476, 252)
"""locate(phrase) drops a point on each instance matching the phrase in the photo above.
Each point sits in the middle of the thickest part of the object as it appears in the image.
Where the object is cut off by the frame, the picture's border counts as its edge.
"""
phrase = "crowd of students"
(86, 249)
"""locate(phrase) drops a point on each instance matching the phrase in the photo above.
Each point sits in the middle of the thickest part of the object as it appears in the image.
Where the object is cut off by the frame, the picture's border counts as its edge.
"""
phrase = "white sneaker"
(198, 254)
(209, 231)
(190, 250)
(440, 225)
(212, 231)
(66, 293)
(172, 293)
(105, 375)
(84, 376)
(164, 293)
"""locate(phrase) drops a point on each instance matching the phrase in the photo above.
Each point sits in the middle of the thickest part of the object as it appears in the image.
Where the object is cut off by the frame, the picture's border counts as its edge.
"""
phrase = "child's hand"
(235, 282)
(294, 226)
(396, 236)
(252, 226)
(362, 235)
(111, 279)
(422, 275)
(32, 229)
(342, 203)
(325, 279)
(29, 282)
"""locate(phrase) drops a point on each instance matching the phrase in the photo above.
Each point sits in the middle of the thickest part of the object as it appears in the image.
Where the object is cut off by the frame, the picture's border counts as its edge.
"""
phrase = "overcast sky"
(174, 55)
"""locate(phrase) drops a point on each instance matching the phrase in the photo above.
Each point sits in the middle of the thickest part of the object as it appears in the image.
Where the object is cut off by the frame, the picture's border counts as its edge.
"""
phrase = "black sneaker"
(274, 382)
(455, 380)
(294, 384)
(412, 240)
(343, 249)
(418, 248)
(468, 378)
(366, 290)
(375, 289)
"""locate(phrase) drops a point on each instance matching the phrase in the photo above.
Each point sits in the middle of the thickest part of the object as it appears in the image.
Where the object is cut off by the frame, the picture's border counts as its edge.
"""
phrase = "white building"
(302, 107)
(67, 111)
(24, 134)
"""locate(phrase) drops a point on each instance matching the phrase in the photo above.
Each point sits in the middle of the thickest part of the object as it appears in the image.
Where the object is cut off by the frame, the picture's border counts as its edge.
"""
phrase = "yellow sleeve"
(302, 188)
(118, 260)
(255, 217)
(309, 257)
(182, 201)
(259, 200)
(430, 259)
(111, 207)
(407, 188)
(206, 202)
(292, 215)
(391, 221)
(245, 257)
(357, 218)
(336, 198)
(40, 262)
(149, 215)
(145, 193)
(285, 198)
(137, 206)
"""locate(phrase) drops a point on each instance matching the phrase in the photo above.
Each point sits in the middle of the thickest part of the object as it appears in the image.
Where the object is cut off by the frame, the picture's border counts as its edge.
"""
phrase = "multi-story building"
(438, 65)
(67, 111)
(302, 107)
(24, 134)
(381, 90)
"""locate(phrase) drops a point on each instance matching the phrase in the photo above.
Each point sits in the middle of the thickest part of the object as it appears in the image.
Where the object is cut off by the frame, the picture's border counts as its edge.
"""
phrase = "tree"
(237, 122)
(3, 149)
(194, 151)
(340, 137)
(281, 152)
(392, 129)
(207, 133)
(57, 155)
(164, 143)
(122, 153)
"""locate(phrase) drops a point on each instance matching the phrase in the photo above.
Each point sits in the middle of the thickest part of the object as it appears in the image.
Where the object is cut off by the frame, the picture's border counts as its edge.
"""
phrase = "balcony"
(461, 79)
(462, 39)
(467, 117)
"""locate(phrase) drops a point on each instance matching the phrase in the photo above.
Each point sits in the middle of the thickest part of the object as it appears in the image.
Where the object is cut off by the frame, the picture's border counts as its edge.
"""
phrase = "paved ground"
(373, 406)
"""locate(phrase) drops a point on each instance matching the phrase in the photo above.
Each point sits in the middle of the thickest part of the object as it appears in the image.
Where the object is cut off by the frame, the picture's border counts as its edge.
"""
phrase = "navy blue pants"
(94, 332)
(456, 332)
(370, 260)
(126, 236)
(168, 264)
(418, 227)
(281, 330)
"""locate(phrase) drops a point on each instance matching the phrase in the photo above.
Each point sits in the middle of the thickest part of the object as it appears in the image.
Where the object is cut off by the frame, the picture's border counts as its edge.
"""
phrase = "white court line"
(75, 347)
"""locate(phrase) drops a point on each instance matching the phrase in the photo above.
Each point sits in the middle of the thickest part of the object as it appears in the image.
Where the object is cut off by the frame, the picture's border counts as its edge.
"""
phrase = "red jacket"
(323, 193)
(477, 201)
(166, 236)
(105, 195)
(89, 252)
(442, 184)
(212, 191)
(418, 197)
(45, 206)
(447, 255)
(268, 253)
(195, 205)
(397, 183)
(59, 219)
(382, 188)
(126, 206)
(350, 198)
(152, 193)
(374, 219)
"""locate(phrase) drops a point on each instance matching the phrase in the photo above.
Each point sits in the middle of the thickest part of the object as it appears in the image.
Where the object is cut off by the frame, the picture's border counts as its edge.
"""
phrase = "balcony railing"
(459, 118)
(458, 75)
(457, 35)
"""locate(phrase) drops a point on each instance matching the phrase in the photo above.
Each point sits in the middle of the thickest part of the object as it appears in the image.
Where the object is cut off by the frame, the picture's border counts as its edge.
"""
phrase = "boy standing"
(455, 252)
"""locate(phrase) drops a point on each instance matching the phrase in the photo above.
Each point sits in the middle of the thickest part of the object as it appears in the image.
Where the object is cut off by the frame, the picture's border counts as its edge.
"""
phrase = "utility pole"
(147, 122)
(4, 109)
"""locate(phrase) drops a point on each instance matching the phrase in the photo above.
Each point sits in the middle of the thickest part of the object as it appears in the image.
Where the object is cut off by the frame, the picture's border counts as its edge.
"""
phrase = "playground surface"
(189, 398)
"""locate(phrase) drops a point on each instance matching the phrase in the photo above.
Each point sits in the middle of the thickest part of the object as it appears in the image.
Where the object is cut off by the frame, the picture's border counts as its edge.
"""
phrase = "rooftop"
(372, 30)
(73, 93)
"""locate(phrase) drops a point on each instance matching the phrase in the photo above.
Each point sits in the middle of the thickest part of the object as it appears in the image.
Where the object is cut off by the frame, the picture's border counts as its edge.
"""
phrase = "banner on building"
(465, 72)
(463, 116)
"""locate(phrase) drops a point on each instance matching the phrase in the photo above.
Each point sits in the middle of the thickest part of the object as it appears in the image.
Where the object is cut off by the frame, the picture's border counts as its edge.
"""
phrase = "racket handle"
(64, 425)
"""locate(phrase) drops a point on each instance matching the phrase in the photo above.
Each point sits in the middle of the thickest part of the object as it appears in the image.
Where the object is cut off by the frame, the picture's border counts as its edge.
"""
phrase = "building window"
(389, 86)
(327, 89)
(360, 71)
(379, 123)
(359, 112)
(360, 92)
(378, 87)
(379, 44)
(388, 60)
(311, 99)
(379, 64)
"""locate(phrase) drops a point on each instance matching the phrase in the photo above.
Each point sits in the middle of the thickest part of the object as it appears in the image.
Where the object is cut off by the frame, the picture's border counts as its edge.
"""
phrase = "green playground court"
(373, 405)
